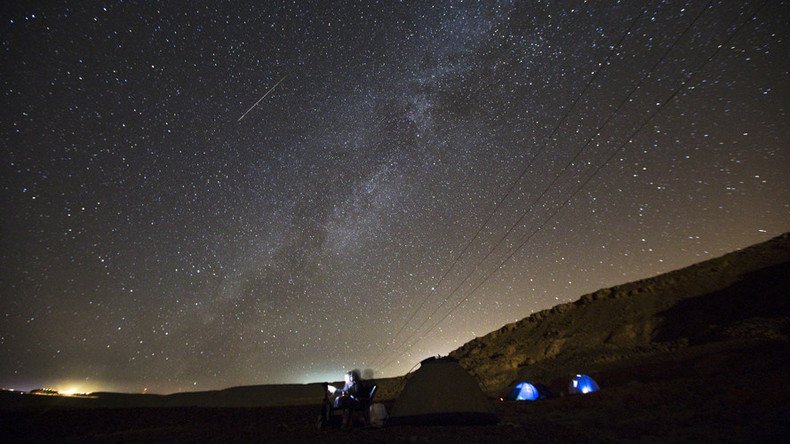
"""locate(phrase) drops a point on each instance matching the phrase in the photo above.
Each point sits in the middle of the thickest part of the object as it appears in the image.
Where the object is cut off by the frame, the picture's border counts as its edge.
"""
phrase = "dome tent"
(524, 391)
(441, 392)
(582, 384)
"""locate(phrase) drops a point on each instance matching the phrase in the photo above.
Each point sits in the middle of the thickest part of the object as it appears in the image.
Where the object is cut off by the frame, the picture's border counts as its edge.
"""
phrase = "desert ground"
(734, 392)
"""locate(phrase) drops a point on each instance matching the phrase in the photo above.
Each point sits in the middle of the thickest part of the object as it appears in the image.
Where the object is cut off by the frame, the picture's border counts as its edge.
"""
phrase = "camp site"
(407, 221)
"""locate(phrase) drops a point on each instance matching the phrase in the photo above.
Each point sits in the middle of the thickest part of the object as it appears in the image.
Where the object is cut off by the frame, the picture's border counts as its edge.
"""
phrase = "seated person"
(347, 398)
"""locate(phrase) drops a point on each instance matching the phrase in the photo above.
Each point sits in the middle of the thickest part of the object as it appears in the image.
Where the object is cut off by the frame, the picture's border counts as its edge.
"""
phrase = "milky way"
(151, 238)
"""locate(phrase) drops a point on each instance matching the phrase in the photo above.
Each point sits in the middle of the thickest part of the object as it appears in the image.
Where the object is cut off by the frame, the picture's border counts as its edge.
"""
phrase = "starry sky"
(152, 238)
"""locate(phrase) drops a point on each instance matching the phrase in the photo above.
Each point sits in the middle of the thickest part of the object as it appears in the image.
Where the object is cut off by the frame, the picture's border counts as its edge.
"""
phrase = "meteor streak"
(263, 97)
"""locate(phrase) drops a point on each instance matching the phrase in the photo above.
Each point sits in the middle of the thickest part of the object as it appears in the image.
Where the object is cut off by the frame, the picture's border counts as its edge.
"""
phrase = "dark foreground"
(717, 392)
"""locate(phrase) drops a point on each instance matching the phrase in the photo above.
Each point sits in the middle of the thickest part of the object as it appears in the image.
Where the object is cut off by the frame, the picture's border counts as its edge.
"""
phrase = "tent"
(582, 384)
(524, 391)
(441, 392)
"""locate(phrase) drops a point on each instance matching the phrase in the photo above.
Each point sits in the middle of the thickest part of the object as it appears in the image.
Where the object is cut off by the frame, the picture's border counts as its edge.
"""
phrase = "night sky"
(152, 238)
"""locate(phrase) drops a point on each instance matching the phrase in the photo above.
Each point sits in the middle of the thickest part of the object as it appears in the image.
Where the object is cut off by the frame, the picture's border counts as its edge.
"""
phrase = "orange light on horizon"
(74, 388)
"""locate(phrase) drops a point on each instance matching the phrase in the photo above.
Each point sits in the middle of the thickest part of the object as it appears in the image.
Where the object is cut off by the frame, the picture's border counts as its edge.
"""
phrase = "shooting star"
(264, 96)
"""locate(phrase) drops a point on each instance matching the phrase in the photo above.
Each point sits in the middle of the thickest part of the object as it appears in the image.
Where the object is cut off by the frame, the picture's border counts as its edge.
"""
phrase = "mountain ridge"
(695, 305)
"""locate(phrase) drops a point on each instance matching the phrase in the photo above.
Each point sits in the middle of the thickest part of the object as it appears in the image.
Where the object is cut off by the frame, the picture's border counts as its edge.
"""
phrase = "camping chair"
(364, 404)
(330, 416)
(326, 417)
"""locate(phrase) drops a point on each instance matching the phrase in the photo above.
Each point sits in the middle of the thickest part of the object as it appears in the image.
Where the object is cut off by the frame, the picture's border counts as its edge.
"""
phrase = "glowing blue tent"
(581, 384)
(524, 391)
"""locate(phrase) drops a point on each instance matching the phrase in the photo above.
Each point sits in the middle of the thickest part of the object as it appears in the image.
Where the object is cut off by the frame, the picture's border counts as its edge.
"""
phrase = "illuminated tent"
(581, 384)
(441, 392)
(524, 391)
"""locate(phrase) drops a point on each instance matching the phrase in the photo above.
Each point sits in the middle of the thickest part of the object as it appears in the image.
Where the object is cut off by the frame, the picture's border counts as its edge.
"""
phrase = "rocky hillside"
(742, 296)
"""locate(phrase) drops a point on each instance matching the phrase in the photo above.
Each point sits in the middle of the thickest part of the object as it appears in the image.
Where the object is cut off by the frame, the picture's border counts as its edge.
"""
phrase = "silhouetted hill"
(242, 396)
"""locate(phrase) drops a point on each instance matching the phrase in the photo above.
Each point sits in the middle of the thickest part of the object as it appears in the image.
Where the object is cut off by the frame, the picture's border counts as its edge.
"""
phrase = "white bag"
(378, 414)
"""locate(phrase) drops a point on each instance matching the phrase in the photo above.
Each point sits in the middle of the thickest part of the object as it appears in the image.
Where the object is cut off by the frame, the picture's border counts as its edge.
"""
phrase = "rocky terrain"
(740, 297)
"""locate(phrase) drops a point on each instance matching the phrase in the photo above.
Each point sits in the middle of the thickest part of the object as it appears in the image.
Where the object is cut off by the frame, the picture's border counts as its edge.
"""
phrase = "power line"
(520, 176)
(598, 169)
(578, 152)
